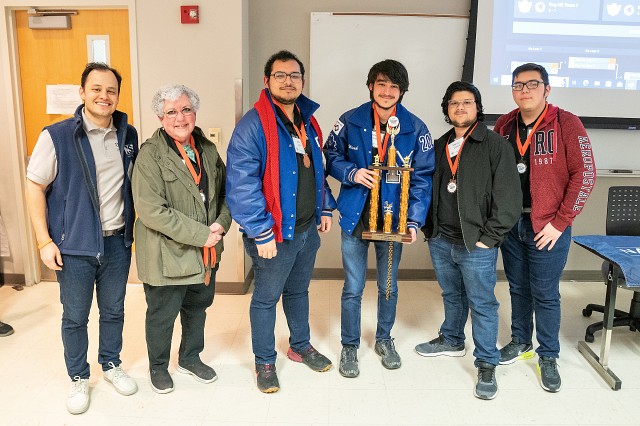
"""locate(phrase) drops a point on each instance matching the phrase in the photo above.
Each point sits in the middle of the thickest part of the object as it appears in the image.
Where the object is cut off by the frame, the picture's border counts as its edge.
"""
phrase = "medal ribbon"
(382, 146)
(454, 165)
(522, 149)
(187, 161)
(208, 253)
(302, 133)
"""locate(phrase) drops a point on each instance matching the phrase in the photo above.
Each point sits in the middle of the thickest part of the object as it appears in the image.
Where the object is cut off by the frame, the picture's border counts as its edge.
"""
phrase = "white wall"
(208, 57)
(233, 40)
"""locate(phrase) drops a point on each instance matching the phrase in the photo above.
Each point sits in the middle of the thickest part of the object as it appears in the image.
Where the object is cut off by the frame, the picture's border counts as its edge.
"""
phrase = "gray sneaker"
(515, 351)
(487, 386)
(161, 381)
(439, 346)
(387, 350)
(549, 375)
(5, 329)
(349, 362)
(199, 370)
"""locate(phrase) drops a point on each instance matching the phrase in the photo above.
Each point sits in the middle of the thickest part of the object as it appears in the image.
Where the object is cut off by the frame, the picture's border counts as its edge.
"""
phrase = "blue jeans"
(468, 281)
(534, 285)
(354, 262)
(76, 279)
(287, 275)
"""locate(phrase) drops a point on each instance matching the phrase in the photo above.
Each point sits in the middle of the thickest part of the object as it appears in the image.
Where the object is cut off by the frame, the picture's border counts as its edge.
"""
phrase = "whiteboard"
(344, 47)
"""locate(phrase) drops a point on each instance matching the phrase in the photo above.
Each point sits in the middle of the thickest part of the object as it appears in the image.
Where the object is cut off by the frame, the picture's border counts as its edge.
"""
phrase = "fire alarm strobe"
(189, 14)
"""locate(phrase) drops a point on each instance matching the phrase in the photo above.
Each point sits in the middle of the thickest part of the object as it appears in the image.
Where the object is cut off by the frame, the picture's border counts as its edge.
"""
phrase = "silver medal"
(452, 186)
(521, 168)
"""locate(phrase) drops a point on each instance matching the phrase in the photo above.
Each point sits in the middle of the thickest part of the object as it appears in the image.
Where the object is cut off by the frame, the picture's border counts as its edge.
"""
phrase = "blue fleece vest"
(73, 208)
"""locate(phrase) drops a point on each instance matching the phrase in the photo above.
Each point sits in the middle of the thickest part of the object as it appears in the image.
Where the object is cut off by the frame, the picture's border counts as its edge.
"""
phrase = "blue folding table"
(623, 251)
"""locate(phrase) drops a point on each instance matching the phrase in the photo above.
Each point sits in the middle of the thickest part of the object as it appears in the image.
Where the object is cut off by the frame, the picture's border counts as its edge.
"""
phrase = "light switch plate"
(214, 134)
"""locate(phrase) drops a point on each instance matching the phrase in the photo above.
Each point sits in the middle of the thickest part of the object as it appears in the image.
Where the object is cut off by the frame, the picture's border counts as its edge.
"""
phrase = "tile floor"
(436, 391)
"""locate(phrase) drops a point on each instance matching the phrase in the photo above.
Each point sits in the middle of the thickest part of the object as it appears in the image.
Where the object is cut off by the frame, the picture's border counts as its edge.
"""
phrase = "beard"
(462, 123)
(284, 101)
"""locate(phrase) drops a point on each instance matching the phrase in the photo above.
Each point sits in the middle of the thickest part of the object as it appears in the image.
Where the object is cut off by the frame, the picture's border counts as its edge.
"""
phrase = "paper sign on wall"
(63, 98)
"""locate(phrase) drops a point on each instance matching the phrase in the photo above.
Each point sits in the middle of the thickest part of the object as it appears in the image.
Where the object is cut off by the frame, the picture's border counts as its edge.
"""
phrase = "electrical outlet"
(214, 135)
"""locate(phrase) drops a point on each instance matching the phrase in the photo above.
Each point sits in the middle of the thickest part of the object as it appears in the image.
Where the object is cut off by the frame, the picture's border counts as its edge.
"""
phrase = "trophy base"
(382, 236)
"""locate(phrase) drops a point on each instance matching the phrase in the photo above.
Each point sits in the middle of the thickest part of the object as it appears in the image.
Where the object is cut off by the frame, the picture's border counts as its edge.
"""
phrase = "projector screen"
(590, 48)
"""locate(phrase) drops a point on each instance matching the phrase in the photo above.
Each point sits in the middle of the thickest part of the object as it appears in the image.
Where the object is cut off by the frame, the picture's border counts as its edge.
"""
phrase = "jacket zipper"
(464, 240)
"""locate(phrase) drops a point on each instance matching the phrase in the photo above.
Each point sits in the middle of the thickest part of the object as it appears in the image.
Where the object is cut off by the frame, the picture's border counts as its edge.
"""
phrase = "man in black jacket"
(476, 201)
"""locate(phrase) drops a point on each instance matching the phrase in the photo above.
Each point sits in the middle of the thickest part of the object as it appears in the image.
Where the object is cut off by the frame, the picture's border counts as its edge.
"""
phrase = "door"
(59, 57)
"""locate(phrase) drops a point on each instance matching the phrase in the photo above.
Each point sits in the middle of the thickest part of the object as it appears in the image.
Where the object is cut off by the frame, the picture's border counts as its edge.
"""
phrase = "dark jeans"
(534, 285)
(468, 281)
(287, 275)
(354, 262)
(163, 305)
(77, 279)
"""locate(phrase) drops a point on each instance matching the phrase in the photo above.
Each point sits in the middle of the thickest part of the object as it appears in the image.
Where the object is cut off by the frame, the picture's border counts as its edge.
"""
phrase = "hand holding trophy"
(387, 233)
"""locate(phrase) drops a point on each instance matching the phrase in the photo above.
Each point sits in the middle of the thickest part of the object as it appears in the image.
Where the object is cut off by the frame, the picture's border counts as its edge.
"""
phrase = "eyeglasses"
(466, 103)
(172, 113)
(531, 84)
(281, 76)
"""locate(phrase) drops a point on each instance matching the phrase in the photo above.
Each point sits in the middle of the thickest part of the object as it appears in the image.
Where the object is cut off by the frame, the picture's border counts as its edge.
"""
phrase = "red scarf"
(271, 178)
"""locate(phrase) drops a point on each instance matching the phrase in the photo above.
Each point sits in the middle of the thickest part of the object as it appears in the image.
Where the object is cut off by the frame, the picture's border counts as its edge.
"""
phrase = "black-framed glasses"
(172, 113)
(531, 84)
(281, 76)
(465, 103)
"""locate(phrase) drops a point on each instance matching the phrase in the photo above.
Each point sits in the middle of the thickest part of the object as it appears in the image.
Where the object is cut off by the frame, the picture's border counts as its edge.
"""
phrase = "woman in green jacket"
(179, 196)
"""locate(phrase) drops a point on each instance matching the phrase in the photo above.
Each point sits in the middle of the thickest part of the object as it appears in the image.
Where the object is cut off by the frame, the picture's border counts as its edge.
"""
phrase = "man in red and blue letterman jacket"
(278, 194)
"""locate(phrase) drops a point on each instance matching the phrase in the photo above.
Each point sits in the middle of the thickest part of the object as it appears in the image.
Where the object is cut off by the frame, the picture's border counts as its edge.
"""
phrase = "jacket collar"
(478, 134)
(118, 119)
(362, 117)
(306, 105)
(552, 115)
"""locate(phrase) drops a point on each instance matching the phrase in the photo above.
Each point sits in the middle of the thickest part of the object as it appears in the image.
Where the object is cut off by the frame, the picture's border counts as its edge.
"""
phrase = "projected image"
(592, 44)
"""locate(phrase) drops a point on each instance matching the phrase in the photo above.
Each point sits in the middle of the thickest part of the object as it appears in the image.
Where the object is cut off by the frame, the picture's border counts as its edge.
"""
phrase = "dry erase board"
(345, 46)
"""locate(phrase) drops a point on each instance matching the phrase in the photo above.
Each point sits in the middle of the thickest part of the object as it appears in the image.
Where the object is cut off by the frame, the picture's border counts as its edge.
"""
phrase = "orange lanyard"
(523, 148)
(208, 253)
(187, 161)
(454, 165)
(302, 133)
(382, 146)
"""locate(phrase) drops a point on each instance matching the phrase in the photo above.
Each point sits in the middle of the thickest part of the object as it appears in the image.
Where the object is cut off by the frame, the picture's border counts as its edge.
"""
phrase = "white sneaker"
(120, 380)
(78, 399)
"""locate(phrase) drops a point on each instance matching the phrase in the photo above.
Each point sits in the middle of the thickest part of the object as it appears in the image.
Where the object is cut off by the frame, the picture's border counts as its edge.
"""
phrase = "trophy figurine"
(395, 174)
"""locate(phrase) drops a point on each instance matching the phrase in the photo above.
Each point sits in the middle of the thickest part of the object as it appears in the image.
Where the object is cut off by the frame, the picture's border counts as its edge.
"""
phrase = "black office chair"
(623, 218)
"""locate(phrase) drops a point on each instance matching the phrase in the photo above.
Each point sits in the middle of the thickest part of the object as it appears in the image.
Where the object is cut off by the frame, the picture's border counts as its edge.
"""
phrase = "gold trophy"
(402, 173)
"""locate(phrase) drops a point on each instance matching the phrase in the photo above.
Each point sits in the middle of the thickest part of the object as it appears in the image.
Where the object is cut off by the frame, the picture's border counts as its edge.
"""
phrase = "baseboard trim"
(430, 275)
(12, 278)
(403, 275)
(235, 287)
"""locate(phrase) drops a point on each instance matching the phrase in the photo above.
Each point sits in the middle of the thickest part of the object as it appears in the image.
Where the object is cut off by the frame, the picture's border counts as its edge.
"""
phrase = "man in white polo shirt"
(79, 194)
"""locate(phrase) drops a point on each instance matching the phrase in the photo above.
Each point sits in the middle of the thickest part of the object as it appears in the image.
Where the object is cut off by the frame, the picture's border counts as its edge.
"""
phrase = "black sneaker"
(487, 386)
(439, 346)
(199, 370)
(515, 351)
(387, 350)
(5, 329)
(349, 362)
(549, 375)
(311, 358)
(161, 381)
(267, 378)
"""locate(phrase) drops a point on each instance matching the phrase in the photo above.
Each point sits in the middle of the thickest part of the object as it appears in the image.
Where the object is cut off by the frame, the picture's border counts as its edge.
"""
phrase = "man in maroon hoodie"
(557, 174)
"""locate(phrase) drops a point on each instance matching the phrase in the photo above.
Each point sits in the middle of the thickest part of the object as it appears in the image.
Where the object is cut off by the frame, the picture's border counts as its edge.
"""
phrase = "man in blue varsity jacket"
(359, 136)
(278, 194)
(79, 193)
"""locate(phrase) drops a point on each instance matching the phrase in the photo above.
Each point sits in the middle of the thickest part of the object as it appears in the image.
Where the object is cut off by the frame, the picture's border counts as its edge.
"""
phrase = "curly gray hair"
(172, 92)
